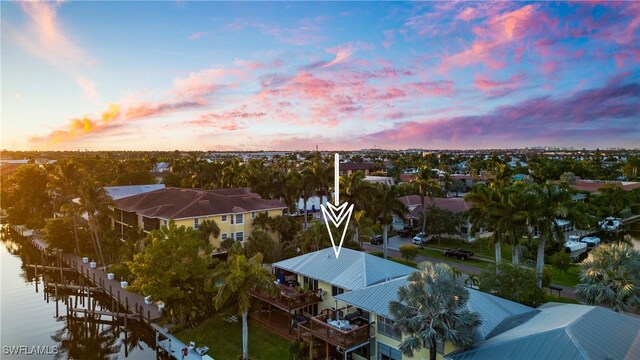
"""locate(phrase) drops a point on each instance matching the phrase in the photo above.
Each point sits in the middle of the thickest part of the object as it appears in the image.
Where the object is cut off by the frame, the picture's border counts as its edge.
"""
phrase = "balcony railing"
(288, 298)
(356, 332)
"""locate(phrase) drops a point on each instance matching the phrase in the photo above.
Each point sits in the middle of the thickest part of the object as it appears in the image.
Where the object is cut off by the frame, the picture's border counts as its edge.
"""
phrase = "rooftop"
(178, 203)
(353, 270)
(564, 331)
(498, 314)
(119, 192)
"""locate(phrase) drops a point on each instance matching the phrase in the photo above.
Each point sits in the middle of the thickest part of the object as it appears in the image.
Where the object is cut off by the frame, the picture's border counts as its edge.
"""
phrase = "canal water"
(30, 329)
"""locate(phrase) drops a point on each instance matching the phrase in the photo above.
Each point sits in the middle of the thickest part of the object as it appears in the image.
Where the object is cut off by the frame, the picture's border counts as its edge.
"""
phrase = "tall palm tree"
(481, 214)
(239, 277)
(93, 200)
(292, 189)
(427, 186)
(612, 277)
(387, 204)
(307, 186)
(63, 182)
(551, 204)
(432, 308)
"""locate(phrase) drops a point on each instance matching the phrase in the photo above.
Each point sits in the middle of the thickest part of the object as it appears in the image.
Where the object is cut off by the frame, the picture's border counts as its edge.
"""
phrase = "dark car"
(376, 239)
(458, 253)
(406, 232)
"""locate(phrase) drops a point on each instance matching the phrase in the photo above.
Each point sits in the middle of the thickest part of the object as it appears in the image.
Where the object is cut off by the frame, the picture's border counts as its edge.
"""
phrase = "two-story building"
(233, 210)
(344, 314)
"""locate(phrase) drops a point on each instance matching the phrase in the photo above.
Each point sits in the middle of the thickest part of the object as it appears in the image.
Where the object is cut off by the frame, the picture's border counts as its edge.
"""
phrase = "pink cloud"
(498, 88)
(574, 119)
(200, 84)
(196, 35)
(46, 37)
(342, 54)
(496, 34)
(88, 87)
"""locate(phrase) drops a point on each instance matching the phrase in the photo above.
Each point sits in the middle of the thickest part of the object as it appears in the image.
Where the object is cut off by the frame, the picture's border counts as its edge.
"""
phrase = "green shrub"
(377, 253)
(409, 252)
(120, 271)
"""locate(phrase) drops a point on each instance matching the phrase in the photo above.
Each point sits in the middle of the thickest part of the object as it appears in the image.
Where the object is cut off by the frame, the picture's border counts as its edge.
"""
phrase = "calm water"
(26, 319)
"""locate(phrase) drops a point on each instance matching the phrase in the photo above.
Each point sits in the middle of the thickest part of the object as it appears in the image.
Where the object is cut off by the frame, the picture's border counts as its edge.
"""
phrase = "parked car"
(458, 253)
(419, 239)
(376, 239)
(406, 232)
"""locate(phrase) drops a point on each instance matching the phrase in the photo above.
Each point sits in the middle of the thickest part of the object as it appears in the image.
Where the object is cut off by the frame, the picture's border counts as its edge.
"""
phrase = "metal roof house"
(307, 306)
(498, 315)
(564, 331)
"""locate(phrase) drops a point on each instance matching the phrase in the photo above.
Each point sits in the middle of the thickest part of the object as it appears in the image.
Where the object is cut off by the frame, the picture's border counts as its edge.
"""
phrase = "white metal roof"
(498, 314)
(351, 271)
(119, 192)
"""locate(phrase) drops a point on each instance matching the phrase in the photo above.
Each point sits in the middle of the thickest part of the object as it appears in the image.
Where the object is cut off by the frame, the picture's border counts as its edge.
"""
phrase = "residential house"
(413, 203)
(308, 307)
(563, 331)
(233, 210)
(497, 315)
(340, 306)
(348, 168)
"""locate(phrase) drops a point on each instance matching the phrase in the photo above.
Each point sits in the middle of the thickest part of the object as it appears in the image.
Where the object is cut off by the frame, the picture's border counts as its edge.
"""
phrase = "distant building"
(456, 205)
(385, 180)
(233, 210)
(348, 168)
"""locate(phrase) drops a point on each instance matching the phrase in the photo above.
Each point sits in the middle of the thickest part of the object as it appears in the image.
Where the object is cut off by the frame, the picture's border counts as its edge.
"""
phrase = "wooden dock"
(127, 305)
(125, 301)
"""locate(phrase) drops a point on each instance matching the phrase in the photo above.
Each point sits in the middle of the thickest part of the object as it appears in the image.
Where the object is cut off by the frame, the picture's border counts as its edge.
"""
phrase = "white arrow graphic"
(336, 213)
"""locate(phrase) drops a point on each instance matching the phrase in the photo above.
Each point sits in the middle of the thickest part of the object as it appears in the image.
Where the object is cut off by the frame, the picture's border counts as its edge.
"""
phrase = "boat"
(574, 246)
(610, 224)
(591, 241)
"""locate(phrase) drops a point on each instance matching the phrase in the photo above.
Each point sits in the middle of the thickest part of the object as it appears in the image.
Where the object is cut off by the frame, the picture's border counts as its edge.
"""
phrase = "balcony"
(288, 299)
(343, 333)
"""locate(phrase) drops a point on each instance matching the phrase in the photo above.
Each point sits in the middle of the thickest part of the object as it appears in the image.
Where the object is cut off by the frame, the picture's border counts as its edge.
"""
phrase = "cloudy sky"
(252, 76)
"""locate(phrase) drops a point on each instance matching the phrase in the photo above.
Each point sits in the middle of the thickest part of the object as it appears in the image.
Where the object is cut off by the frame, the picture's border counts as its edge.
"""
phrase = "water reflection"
(28, 316)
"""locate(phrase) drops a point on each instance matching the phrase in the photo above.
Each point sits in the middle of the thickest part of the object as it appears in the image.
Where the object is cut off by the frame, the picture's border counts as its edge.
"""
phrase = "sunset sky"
(287, 76)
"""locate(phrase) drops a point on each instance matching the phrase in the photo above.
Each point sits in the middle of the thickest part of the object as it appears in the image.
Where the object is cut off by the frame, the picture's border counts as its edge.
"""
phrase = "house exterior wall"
(226, 227)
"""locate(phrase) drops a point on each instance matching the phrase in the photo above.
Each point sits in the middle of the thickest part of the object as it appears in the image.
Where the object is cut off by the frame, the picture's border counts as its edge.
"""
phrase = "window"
(239, 236)
(310, 282)
(150, 224)
(239, 218)
(385, 352)
(253, 215)
(223, 236)
(223, 218)
(385, 327)
(195, 223)
(165, 222)
(336, 290)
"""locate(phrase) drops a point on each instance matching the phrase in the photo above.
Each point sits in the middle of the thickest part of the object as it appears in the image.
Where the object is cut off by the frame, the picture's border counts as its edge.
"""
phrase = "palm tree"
(612, 277)
(93, 200)
(551, 204)
(471, 280)
(387, 204)
(427, 186)
(207, 229)
(63, 181)
(240, 276)
(432, 308)
(481, 214)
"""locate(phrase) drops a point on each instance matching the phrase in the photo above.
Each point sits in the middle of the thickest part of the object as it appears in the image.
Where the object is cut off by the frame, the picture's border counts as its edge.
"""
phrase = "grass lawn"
(225, 340)
(560, 299)
(480, 247)
(569, 278)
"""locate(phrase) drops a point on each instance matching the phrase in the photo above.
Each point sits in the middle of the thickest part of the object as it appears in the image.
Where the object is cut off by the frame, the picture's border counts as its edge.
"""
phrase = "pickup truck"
(458, 254)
